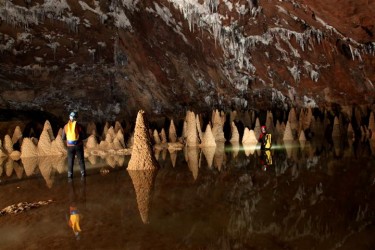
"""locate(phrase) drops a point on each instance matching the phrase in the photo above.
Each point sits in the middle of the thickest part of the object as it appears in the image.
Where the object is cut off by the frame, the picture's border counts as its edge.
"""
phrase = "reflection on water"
(225, 197)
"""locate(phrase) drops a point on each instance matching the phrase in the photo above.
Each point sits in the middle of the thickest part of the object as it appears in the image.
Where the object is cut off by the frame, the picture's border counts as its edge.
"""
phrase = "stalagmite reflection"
(29, 164)
(219, 158)
(173, 156)
(143, 181)
(47, 170)
(193, 160)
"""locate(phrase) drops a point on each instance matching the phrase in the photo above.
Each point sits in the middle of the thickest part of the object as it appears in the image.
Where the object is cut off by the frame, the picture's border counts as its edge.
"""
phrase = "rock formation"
(142, 157)
(172, 132)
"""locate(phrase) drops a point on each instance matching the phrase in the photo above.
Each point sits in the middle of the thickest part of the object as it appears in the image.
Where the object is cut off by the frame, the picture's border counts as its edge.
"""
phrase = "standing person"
(74, 135)
(264, 139)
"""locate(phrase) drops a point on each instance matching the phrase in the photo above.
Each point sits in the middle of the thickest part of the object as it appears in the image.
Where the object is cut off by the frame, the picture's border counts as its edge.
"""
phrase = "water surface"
(316, 195)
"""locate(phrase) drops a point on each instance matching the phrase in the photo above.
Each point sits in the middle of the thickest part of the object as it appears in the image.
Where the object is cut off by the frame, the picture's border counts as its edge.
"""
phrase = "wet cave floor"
(295, 196)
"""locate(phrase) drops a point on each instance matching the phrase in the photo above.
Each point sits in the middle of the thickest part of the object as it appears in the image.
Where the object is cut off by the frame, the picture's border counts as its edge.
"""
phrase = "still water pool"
(300, 196)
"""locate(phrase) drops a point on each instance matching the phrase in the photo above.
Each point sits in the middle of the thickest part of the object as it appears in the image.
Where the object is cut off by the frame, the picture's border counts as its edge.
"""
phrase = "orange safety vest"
(72, 134)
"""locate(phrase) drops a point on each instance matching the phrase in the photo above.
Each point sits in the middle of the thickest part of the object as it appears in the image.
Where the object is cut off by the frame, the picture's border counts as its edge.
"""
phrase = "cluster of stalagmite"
(350, 122)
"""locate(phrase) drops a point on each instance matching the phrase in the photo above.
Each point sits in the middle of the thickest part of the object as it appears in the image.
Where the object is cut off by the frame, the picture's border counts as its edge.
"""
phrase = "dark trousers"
(72, 152)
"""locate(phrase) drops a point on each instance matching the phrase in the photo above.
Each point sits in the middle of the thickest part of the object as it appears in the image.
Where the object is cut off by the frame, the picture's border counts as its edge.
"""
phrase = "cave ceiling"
(109, 59)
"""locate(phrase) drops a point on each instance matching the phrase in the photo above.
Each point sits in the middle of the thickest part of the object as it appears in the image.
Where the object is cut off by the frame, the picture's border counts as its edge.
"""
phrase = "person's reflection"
(76, 200)
(265, 159)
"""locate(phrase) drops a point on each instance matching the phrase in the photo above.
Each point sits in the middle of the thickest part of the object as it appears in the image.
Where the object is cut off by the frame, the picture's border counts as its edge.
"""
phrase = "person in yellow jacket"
(74, 135)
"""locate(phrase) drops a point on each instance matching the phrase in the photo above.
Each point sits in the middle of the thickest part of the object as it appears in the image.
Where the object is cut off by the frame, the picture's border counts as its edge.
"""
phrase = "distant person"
(265, 139)
(74, 135)
(265, 146)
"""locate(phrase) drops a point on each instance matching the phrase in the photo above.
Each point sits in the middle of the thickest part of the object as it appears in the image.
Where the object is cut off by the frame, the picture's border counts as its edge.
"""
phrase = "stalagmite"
(47, 127)
(91, 142)
(249, 137)
(184, 130)
(269, 122)
(218, 133)
(105, 130)
(163, 136)
(191, 130)
(111, 132)
(156, 137)
(118, 127)
(172, 132)
(28, 148)
(215, 117)
(17, 134)
(292, 119)
(117, 145)
(58, 146)
(350, 132)
(223, 117)
(142, 157)
(336, 127)
(235, 135)
(44, 144)
(120, 138)
(257, 128)
(307, 119)
(8, 144)
(288, 135)
(208, 139)
(217, 127)
(199, 127)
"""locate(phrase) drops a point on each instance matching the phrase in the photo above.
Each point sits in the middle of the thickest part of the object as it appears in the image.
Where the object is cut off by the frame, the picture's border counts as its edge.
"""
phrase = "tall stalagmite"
(142, 157)
(191, 130)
